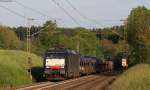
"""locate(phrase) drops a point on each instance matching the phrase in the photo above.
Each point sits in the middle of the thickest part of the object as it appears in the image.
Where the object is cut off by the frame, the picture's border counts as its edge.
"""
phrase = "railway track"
(36, 86)
(91, 82)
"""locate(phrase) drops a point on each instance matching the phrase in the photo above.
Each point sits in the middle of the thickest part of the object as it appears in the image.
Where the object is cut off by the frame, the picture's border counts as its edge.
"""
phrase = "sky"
(84, 13)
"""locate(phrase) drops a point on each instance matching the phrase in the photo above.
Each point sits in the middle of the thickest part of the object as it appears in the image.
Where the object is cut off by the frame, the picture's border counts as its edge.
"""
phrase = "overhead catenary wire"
(22, 16)
(66, 12)
(15, 13)
(18, 14)
(76, 10)
(29, 8)
(81, 14)
(34, 10)
(37, 11)
(84, 16)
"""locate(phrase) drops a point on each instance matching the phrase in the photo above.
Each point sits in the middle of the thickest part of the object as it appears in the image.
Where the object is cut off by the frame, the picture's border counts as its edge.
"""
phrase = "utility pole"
(78, 43)
(29, 59)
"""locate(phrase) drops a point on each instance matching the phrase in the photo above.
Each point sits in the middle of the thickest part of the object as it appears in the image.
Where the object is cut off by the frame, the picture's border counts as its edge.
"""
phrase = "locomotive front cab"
(54, 65)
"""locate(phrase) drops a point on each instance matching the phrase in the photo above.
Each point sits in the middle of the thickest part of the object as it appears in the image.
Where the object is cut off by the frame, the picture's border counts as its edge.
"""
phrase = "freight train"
(63, 63)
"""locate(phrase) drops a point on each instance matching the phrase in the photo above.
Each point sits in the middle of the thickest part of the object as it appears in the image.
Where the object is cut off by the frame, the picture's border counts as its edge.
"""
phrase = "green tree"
(46, 36)
(138, 28)
(8, 39)
(87, 41)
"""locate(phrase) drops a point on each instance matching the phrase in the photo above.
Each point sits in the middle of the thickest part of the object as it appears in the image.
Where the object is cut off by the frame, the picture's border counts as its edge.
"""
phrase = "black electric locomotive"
(61, 63)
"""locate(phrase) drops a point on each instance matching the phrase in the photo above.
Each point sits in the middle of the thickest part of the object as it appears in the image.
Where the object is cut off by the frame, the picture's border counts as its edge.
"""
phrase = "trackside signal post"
(125, 56)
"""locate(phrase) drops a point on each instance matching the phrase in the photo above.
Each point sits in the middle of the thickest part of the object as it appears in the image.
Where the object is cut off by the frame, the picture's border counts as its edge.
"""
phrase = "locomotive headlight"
(63, 66)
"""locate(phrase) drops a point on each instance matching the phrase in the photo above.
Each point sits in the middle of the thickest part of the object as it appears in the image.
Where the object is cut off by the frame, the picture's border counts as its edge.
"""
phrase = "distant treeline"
(86, 41)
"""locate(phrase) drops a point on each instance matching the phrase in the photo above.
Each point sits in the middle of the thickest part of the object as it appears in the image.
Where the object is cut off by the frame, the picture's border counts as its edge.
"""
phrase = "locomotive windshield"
(58, 55)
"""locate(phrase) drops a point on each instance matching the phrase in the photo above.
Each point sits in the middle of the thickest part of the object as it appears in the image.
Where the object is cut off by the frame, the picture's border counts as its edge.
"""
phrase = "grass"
(136, 78)
(13, 68)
